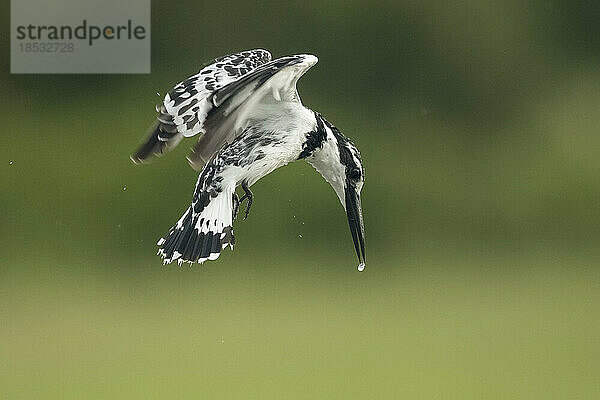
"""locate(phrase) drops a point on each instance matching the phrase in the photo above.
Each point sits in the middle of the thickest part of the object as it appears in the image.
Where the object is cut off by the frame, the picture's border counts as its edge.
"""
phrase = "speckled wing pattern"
(260, 75)
(184, 109)
(281, 74)
(188, 103)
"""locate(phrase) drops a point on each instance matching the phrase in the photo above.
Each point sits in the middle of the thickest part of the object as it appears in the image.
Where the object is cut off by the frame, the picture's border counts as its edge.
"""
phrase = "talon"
(248, 204)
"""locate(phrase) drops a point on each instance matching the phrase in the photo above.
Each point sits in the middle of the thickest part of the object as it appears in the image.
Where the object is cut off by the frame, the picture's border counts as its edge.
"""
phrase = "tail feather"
(198, 237)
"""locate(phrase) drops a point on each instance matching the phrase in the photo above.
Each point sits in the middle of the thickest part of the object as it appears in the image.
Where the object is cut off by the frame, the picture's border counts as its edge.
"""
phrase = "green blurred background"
(478, 125)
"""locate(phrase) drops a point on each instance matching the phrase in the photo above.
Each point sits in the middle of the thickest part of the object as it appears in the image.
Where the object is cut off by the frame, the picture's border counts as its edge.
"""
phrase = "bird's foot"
(247, 196)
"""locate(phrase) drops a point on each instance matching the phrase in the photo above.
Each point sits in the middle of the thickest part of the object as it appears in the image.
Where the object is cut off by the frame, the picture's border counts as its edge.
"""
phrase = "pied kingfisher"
(251, 120)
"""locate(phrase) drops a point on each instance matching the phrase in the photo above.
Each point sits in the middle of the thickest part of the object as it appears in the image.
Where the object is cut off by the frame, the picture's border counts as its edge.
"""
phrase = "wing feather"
(231, 99)
(185, 107)
(190, 98)
(211, 102)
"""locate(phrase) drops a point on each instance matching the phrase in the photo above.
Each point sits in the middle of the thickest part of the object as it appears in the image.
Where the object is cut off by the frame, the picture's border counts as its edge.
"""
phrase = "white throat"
(326, 160)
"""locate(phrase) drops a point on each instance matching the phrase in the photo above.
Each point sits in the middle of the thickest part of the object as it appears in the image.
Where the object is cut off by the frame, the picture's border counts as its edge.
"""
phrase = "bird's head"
(338, 160)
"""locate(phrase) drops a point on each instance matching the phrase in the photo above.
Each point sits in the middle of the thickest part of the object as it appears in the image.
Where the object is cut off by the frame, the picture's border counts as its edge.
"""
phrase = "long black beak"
(355, 220)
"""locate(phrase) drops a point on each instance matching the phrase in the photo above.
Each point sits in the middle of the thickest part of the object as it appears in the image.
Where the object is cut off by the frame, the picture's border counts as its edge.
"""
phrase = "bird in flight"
(246, 109)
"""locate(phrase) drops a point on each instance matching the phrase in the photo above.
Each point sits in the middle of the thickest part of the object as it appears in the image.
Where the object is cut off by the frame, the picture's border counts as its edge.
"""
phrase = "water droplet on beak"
(361, 267)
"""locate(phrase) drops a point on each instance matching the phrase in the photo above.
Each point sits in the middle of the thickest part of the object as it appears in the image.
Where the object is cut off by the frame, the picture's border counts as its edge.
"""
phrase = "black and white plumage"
(251, 120)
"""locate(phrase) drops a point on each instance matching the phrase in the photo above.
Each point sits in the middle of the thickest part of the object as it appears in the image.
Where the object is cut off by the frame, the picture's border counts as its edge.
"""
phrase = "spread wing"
(186, 106)
(273, 81)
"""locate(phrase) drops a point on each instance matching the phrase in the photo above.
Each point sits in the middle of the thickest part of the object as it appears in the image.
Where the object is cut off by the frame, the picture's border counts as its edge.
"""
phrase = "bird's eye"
(355, 174)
